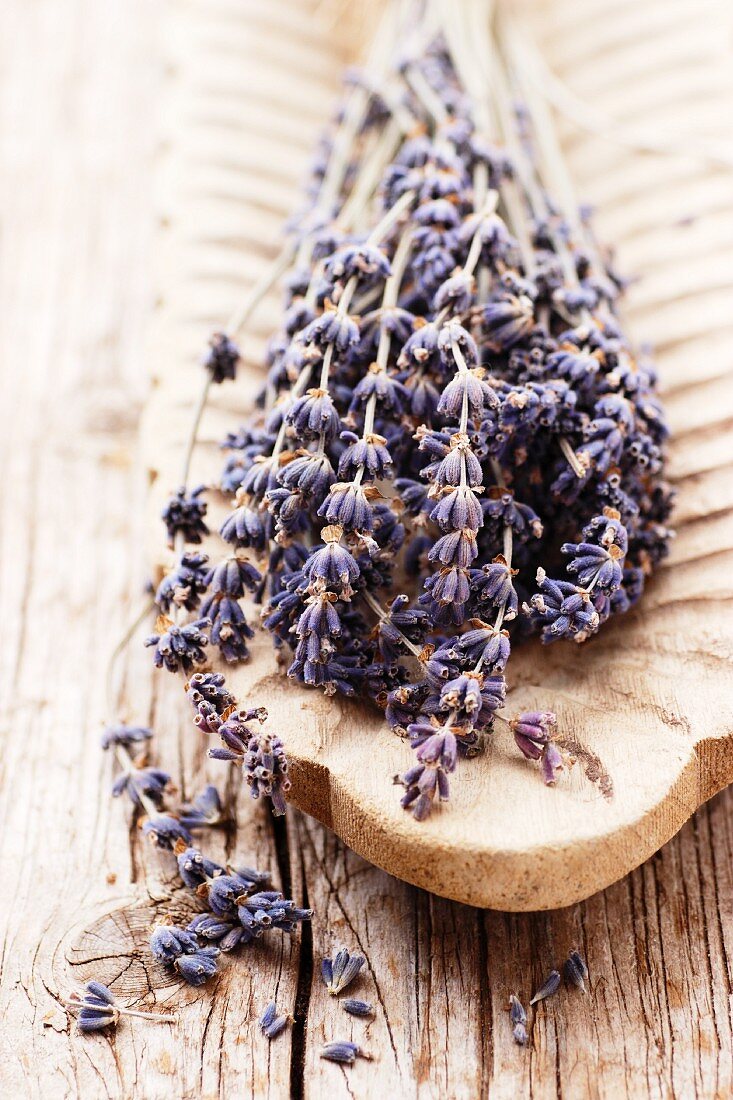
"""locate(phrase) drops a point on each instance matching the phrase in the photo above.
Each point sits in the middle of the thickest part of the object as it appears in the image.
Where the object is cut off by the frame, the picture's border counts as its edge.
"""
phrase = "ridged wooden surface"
(652, 697)
(80, 276)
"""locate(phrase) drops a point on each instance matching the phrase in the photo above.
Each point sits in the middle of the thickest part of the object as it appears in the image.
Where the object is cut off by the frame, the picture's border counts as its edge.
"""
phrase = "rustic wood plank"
(75, 295)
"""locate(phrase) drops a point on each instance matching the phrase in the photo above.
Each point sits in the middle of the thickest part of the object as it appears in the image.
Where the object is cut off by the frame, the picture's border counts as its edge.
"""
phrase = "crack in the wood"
(302, 1002)
(335, 893)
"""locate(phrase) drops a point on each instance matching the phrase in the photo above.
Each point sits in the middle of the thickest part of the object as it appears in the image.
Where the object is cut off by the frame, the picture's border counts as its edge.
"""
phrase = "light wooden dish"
(648, 706)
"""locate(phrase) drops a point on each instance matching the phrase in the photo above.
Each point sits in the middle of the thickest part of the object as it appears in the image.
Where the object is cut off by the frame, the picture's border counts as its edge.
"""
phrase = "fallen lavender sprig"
(239, 907)
(180, 949)
(260, 753)
(457, 447)
(98, 1009)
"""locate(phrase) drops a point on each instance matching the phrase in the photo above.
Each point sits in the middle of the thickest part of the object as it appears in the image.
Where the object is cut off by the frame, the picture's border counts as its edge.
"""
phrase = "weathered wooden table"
(80, 81)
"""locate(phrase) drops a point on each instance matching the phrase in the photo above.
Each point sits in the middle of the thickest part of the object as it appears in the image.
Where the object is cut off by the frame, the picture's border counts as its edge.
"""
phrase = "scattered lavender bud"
(344, 1052)
(575, 971)
(548, 988)
(165, 831)
(340, 971)
(222, 358)
(518, 1017)
(357, 1008)
(125, 736)
(205, 810)
(271, 1025)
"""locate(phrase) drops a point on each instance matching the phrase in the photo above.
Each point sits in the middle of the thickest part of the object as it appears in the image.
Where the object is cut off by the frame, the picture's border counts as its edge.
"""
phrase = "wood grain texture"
(80, 139)
(650, 701)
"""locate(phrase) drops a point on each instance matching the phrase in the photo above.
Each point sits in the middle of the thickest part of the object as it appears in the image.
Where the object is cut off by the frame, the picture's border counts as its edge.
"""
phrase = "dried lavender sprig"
(97, 1008)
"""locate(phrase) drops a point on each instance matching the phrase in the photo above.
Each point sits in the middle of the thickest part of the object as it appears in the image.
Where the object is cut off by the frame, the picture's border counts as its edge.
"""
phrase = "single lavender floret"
(548, 988)
(343, 1052)
(340, 971)
(357, 1008)
(518, 1017)
(575, 971)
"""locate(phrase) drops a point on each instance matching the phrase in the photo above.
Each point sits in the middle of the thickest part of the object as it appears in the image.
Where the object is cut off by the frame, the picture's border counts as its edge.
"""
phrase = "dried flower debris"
(575, 970)
(340, 971)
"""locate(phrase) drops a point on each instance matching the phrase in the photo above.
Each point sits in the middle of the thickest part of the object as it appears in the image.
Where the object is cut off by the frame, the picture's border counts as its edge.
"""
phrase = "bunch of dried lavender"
(458, 446)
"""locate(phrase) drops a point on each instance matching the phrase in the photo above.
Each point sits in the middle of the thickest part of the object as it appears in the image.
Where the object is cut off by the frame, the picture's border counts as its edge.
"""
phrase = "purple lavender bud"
(455, 294)
(331, 562)
(184, 513)
(271, 1025)
(165, 831)
(362, 1009)
(549, 987)
(209, 687)
(168, 943)
(518, 1018)
(343, 1052)
(184, 585)
(364, 262)
(222, 358)
(314, 415)
(575, 971)
(179, 647)
(125, 736)
(340, 971)
(197, 968)
(332, 327)
(552, 763)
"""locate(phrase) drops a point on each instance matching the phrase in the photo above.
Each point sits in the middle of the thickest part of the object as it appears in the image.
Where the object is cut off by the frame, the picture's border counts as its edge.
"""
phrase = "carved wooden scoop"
(647, 707)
